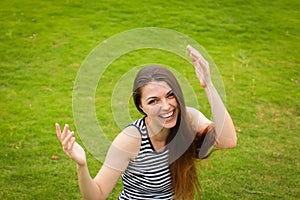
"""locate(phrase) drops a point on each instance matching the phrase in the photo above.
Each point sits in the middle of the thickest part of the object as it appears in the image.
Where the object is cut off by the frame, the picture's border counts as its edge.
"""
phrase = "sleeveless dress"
(148, 175)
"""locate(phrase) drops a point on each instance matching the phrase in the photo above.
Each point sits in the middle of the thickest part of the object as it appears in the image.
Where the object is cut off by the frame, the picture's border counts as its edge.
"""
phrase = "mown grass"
(255, 45)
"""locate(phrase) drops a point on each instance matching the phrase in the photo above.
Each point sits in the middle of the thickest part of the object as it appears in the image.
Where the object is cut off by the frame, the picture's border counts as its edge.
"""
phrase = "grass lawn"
(255, 44)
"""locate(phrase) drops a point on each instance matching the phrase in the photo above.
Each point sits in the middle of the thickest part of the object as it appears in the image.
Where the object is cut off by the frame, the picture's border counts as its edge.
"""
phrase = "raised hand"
(201, 66)
(70, 146)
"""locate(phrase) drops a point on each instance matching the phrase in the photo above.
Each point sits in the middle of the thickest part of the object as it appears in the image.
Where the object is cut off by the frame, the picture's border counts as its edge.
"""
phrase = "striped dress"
(148, 175)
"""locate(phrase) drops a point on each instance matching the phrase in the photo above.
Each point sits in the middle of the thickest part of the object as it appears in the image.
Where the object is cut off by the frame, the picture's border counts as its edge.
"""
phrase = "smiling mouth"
(167, 115)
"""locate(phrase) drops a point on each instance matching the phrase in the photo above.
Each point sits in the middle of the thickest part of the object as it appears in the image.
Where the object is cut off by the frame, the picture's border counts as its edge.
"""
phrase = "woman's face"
(160, 105)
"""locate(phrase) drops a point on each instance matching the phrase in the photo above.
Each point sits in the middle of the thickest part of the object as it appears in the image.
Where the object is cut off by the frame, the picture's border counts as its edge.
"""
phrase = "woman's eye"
(171, 95)
(154, 101)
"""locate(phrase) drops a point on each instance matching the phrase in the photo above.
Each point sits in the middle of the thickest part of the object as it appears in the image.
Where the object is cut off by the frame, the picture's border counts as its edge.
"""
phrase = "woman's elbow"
(229, 143)
(233, 142)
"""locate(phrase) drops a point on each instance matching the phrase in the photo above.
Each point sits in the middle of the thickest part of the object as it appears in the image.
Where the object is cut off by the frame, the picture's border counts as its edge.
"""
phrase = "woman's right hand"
(70, 146)
(201, 66)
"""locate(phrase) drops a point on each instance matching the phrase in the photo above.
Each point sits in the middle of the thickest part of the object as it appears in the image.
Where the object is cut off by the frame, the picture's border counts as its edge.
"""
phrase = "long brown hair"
(180, 141)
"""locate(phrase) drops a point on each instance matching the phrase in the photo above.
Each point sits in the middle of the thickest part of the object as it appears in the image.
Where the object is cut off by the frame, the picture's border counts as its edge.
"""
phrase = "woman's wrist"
(81, 166)
(209, 86)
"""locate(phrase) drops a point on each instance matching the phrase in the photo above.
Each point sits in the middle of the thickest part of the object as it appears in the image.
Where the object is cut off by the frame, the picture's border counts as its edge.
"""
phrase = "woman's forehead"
(156, 87)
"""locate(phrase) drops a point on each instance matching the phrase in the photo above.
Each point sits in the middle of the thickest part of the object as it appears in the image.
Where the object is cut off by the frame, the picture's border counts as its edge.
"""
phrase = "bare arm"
(107, 177)
(225, 131)
(124, 148)
(226, 135)
(88, 187)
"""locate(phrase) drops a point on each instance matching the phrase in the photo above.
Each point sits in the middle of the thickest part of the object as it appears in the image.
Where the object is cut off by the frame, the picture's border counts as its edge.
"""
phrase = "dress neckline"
(148, 136)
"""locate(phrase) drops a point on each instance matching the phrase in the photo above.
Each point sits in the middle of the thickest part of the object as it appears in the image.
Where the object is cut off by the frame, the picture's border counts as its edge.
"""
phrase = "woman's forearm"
(225, 131)
(88, 187)
(226, 135)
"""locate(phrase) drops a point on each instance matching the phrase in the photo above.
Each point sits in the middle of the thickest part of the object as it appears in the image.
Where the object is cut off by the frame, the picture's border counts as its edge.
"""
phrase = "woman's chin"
(170, 122)
(169, 126)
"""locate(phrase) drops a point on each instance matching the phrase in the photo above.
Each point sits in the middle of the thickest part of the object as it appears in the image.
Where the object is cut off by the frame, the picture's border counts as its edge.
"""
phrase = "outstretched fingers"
(72, 141)
(65, 131)
(66, 137)
(69, 144)
(201, 66)
(68, 141)
(61, 135)
(196, 57)
(58, 131)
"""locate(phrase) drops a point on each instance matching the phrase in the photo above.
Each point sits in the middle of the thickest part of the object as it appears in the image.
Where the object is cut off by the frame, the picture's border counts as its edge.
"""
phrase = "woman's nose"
(165, 104)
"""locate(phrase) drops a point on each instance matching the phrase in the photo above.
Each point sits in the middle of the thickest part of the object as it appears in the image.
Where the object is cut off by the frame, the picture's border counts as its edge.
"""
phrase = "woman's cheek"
(154, 110)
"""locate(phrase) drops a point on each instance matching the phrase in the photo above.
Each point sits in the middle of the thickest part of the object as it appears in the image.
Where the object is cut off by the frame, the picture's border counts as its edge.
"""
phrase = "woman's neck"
(157, 135)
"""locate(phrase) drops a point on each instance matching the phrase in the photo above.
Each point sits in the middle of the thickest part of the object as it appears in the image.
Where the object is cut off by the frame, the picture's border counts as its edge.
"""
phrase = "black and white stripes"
(148, 176)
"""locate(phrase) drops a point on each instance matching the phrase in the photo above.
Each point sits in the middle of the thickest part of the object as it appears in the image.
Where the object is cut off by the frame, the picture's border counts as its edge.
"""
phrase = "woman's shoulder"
(197, 118)
(128, 141)
(129, 137)
(131, 131)
(124, 148)
(193, 112)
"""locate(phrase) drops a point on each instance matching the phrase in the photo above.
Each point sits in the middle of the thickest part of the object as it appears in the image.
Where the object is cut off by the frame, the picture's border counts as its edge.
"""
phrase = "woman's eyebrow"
(152, 97)
(170, 92)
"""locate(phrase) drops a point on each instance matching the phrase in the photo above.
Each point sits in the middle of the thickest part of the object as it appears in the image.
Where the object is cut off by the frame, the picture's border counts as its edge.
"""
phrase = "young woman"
(155, 155)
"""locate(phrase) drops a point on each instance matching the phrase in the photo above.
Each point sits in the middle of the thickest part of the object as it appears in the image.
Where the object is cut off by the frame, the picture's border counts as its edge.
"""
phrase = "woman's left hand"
(201, 66)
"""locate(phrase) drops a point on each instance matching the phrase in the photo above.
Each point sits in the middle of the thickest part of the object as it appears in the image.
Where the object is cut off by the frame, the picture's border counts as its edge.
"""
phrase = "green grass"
(255, 45)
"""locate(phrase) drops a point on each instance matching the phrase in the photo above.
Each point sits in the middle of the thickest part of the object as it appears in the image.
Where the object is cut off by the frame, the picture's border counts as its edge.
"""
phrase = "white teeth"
(167, 115)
